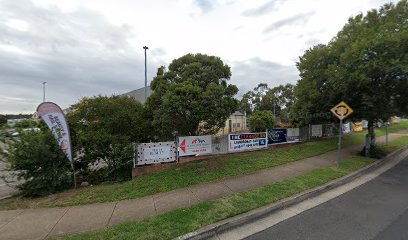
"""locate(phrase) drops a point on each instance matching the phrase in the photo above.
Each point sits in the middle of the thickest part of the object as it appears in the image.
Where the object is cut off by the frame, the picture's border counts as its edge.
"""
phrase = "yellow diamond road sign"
(341, 110)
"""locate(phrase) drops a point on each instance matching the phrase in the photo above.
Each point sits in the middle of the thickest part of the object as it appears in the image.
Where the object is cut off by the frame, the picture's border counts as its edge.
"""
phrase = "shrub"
(37, 160)
(102, 130)
(261, 120)
(377, 152)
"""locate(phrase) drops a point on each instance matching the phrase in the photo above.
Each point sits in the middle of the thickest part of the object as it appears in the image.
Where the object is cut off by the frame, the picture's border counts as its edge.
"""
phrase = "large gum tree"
(365, 65)
(191, 97)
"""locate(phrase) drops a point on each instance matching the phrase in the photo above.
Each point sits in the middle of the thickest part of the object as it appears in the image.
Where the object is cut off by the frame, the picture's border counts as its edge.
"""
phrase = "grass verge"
(182, 221)
(195, 172)
(394, 145)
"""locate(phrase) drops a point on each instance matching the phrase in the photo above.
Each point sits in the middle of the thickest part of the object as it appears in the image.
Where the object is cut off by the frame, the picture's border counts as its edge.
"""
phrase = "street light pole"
(43, 83)
(274, 107)
(145, 48)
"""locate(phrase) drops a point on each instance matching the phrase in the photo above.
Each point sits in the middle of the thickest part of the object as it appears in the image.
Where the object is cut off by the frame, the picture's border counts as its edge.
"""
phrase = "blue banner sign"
(277, 135)
(246, 141)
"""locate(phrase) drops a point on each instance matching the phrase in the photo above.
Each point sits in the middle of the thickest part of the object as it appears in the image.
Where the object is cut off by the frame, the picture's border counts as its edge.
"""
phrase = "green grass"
(182, 221)
(394, 145)
(403, 125)
(183, 175)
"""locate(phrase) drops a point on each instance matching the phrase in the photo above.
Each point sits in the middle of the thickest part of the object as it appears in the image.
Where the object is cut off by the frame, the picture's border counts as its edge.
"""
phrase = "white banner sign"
(193, 145)
(346, 128)
(247, 141)
(53, 116)
(364, 123)
(317, 131)
(153, 153)
(156, 152)
(292, 134)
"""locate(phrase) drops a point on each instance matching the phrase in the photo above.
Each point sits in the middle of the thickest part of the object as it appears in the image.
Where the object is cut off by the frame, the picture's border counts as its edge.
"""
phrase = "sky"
(90, 47)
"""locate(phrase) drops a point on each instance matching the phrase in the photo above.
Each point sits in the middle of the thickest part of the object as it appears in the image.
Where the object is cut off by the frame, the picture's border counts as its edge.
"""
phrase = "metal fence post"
(177, 149)
(339, 150)
(134, 155)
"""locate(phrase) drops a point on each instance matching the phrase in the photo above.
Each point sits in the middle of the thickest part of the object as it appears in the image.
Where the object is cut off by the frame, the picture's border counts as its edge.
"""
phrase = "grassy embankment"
(195, 172)
(184, 220)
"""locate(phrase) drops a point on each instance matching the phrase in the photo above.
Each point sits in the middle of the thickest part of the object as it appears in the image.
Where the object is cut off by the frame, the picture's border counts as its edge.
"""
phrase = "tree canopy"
(365, 65)
(261, 120)
(278, 99)
(192, 96)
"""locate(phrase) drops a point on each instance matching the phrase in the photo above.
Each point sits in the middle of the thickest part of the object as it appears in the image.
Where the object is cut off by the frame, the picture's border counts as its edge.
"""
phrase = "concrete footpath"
(50, 222)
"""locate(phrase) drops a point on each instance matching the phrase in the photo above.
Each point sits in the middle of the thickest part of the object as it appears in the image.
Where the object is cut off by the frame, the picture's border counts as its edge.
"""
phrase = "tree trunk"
(370, 138)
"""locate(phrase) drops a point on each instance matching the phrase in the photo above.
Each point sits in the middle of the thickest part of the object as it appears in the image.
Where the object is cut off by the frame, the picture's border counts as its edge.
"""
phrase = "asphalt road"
(375, 210)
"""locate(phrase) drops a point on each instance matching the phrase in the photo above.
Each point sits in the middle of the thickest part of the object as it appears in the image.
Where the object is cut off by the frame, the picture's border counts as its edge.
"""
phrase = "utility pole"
(145, 48)
(43, 83)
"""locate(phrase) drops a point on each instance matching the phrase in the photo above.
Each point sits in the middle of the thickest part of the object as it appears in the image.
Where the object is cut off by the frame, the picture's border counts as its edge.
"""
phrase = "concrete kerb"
(213, 230)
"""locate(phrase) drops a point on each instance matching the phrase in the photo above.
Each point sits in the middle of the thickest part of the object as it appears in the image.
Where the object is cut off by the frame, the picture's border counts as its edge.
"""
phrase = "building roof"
(237, 113)
(139, 94)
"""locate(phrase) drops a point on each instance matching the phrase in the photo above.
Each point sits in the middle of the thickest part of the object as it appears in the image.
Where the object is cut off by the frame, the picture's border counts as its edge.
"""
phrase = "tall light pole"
(43, 83)
(145, 48)
(274, 107)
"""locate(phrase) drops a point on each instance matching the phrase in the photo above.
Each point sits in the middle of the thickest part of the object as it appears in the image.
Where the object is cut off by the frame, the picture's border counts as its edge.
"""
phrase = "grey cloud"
(294, 20)
(247, 74)
(230, 2)
(158, 52)
(268, 7)
(312, 41)
(78, 54)
(238, 27)
(205, 5)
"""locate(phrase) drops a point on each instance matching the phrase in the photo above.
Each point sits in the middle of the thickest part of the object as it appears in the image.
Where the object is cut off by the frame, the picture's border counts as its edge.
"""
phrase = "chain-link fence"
(220, 144)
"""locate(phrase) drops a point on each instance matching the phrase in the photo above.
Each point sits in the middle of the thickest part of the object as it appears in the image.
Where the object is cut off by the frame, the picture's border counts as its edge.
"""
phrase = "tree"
(314, 93)
(38, 160)
(278, 99)
(103, 130)
(25, 123)
(191, 97)
(251, 100)
(261, 120)
(365, 65)
(247, 103)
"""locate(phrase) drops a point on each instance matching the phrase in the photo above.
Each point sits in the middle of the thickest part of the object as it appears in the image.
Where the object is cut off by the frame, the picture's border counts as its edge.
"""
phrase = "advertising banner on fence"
(247, 141)
(357, 127)
(395, 120)
(153, 153)
(346, 128)
(293, 135)
(53, 116)
(277, 135)
(317, 131)
(193, 145)
(364, 123)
